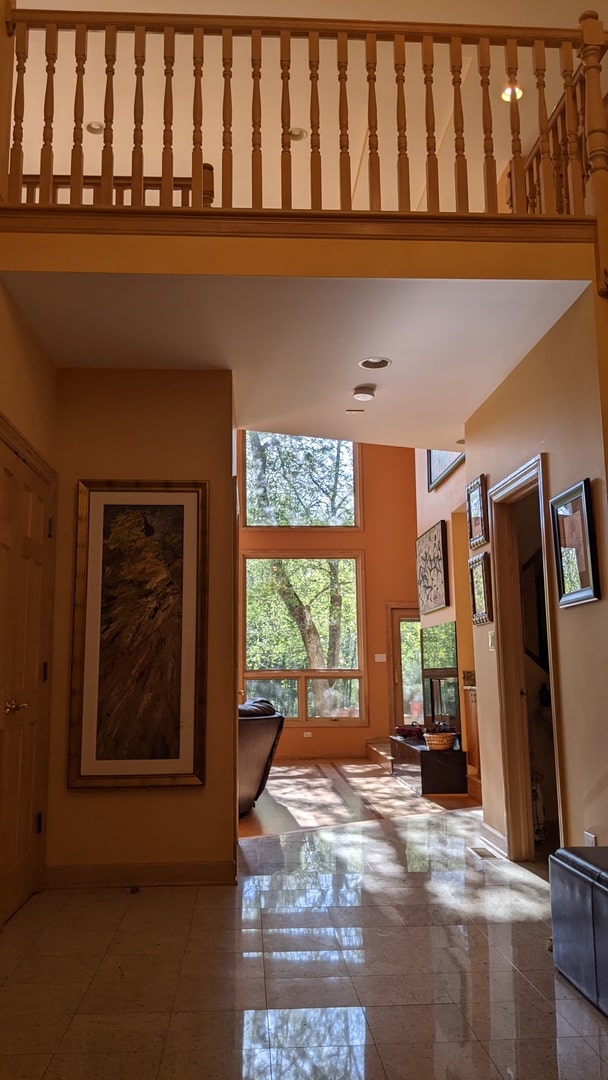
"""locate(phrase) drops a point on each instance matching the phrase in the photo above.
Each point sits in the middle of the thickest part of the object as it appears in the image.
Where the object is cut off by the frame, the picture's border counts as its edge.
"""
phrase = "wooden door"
(406, 667)
(26, 564)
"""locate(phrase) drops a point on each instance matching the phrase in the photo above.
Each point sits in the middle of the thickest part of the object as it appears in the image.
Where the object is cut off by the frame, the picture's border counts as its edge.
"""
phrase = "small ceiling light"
(375, 363)
(364, 392)
(296, 134)
(95, 127)
(459, 442)
(511, 89)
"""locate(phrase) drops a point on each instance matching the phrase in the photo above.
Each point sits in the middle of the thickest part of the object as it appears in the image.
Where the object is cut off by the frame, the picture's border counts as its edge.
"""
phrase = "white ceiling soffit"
(294, 344)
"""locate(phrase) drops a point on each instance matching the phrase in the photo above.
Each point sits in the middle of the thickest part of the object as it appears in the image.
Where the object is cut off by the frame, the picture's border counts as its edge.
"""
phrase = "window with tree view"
(298, 480)
(301, 619)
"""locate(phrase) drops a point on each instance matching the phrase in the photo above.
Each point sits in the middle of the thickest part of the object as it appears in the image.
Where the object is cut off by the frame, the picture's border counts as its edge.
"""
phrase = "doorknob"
(14, 706)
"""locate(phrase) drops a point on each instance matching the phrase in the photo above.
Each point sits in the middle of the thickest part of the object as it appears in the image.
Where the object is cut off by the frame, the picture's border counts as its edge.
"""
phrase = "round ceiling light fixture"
(375, 363)
(95, 127)
(364, 392)
(296, 134)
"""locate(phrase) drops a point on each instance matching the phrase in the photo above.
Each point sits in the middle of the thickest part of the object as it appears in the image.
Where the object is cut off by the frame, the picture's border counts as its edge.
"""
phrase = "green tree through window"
(298, 480)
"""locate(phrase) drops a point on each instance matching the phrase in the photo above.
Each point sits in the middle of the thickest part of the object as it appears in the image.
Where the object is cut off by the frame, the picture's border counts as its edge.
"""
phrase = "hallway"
(380, 950)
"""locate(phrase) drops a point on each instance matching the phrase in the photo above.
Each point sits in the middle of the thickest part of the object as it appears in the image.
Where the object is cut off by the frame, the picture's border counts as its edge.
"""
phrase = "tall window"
(297, 480)
(301, 613)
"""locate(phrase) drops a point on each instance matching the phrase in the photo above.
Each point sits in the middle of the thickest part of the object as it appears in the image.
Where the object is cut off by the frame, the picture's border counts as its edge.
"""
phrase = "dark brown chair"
(260, 729)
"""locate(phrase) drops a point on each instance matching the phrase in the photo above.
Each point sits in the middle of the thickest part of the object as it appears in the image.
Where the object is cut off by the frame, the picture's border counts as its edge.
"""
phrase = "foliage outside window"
(301, 621)
(297, 480)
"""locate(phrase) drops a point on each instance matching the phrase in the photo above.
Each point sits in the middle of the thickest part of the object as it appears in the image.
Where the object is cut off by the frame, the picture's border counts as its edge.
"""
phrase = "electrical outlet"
(308, 734)
(590, 839)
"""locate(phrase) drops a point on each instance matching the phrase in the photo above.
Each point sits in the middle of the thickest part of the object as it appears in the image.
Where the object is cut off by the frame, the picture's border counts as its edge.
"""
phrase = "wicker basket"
(440, 740)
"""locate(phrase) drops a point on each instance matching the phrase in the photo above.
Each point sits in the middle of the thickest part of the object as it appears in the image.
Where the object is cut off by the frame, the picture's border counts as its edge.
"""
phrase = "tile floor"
(381, 950)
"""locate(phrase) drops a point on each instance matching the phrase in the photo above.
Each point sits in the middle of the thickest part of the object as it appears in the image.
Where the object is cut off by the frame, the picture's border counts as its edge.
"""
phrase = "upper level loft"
(344, 125)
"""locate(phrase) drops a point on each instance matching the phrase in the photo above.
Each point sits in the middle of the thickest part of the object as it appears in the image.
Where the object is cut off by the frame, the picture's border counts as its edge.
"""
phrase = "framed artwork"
(477, 512)
(439, 464)
(432, 569)
(139, 651)
(480, 583)
(575, 545)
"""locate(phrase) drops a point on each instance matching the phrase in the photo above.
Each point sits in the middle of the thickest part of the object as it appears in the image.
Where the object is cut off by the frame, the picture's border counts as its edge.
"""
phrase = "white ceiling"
(293, 344)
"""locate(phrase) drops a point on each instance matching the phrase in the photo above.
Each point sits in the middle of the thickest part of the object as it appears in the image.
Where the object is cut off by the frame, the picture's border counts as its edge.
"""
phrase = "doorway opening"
(406, 668)
(528, 734)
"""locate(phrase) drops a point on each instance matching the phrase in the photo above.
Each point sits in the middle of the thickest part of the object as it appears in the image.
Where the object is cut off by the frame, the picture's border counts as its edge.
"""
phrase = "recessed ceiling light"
(95, 127)
(297, 134)
(364, 392)
(510, 90)
(375, 363)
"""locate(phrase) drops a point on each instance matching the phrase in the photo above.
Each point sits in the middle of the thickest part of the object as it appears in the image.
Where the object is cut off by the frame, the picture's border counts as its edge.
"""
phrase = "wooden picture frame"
(439, 465)
(137, 712)
(477, 512)
(480, 584)
(575, 545)
(432, 569)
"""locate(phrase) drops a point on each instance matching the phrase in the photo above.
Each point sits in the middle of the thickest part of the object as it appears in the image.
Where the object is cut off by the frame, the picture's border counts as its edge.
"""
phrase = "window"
(301, 639)
(298, 480)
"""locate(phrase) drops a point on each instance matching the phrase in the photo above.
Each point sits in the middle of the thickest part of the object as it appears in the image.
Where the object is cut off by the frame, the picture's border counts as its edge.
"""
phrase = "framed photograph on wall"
(140, 635)
(439, 465)
(480, 583)
(477, 512)
(432, 569)
(575, 545)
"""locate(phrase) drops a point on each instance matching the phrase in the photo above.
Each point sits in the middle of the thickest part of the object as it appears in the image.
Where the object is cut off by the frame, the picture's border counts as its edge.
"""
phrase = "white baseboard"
(494, 839)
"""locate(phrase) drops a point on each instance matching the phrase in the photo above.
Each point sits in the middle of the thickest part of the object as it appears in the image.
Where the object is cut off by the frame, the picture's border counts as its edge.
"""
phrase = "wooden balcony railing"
(112, 109)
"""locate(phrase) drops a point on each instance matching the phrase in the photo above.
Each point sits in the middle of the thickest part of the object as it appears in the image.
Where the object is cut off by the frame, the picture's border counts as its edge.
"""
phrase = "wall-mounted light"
(364, 392)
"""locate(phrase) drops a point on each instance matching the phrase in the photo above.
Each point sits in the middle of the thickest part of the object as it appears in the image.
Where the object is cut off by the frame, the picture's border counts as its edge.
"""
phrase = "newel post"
(596, 197)
(7, 64)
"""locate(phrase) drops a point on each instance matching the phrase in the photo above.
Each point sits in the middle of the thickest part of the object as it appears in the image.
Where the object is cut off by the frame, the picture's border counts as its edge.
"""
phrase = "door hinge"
(39, 819)
(50, 529)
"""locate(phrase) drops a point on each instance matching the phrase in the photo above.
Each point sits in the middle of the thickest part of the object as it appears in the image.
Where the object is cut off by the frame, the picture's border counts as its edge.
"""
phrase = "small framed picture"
(575, 545)
(480, 582)
(477, 512)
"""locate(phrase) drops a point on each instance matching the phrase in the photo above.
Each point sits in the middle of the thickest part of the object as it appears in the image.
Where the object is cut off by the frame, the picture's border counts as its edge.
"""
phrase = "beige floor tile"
(551, 984)
(204, 992)
(134, 1033)
(411, 1024)
(35, 1032)
(219, 917)
(18, 1001)
(148, 941)
(213, 1030)
(238, 940)
(318, 963)
(583, 1016)
(52, 971)
(23, 1066)
(219, 1064)
(368, 915)
(549, 1059)
(327, 1063)
(277, 920)
(299, 939)
(416, 989)
(521, 1019)
(438, 1061)
(310, 993)
(104, 1066)
(336, 1026)
(71, 941)
(224, 965)
(486, 985)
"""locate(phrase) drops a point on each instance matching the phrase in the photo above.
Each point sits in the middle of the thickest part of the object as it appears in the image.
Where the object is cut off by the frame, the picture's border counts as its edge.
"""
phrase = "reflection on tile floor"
(380, 950)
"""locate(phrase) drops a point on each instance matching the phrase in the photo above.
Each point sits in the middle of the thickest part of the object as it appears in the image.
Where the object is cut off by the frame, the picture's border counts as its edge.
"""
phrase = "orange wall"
(27, 379)
(146, 425)
(550, 404)
(387, 544)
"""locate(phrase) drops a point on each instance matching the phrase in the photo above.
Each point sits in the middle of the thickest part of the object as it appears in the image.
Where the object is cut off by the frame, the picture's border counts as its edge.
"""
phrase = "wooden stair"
(379, 751)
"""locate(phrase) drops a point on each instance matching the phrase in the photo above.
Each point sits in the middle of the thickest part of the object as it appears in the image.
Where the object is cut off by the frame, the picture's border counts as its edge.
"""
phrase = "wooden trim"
(140, 874)
(395, 612)
(494, 839)
(298, 224)
(26, 453)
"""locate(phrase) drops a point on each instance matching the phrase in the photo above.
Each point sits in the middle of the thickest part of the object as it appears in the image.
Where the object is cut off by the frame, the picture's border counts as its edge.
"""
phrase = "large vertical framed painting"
(432, 569)
(140, 635)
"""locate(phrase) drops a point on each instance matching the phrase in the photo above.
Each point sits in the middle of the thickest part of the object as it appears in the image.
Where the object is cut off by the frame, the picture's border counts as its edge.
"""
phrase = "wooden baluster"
(345, 183)
(548, 202)
(556, 162)
(460, 161)
(403, 164)
(575, 171)
(532, 186)
(432, 168)
(518, 179)
(227, 119)
(107, 154)
(197, 118)
(580, 106)
(371, 63)
(137, 155)
(46, 154)
(286, 194)
(563, 150)
(15, 176)
(166, 183)
(256, 120)
(489, 162)
(315, 120)
(77, 160)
